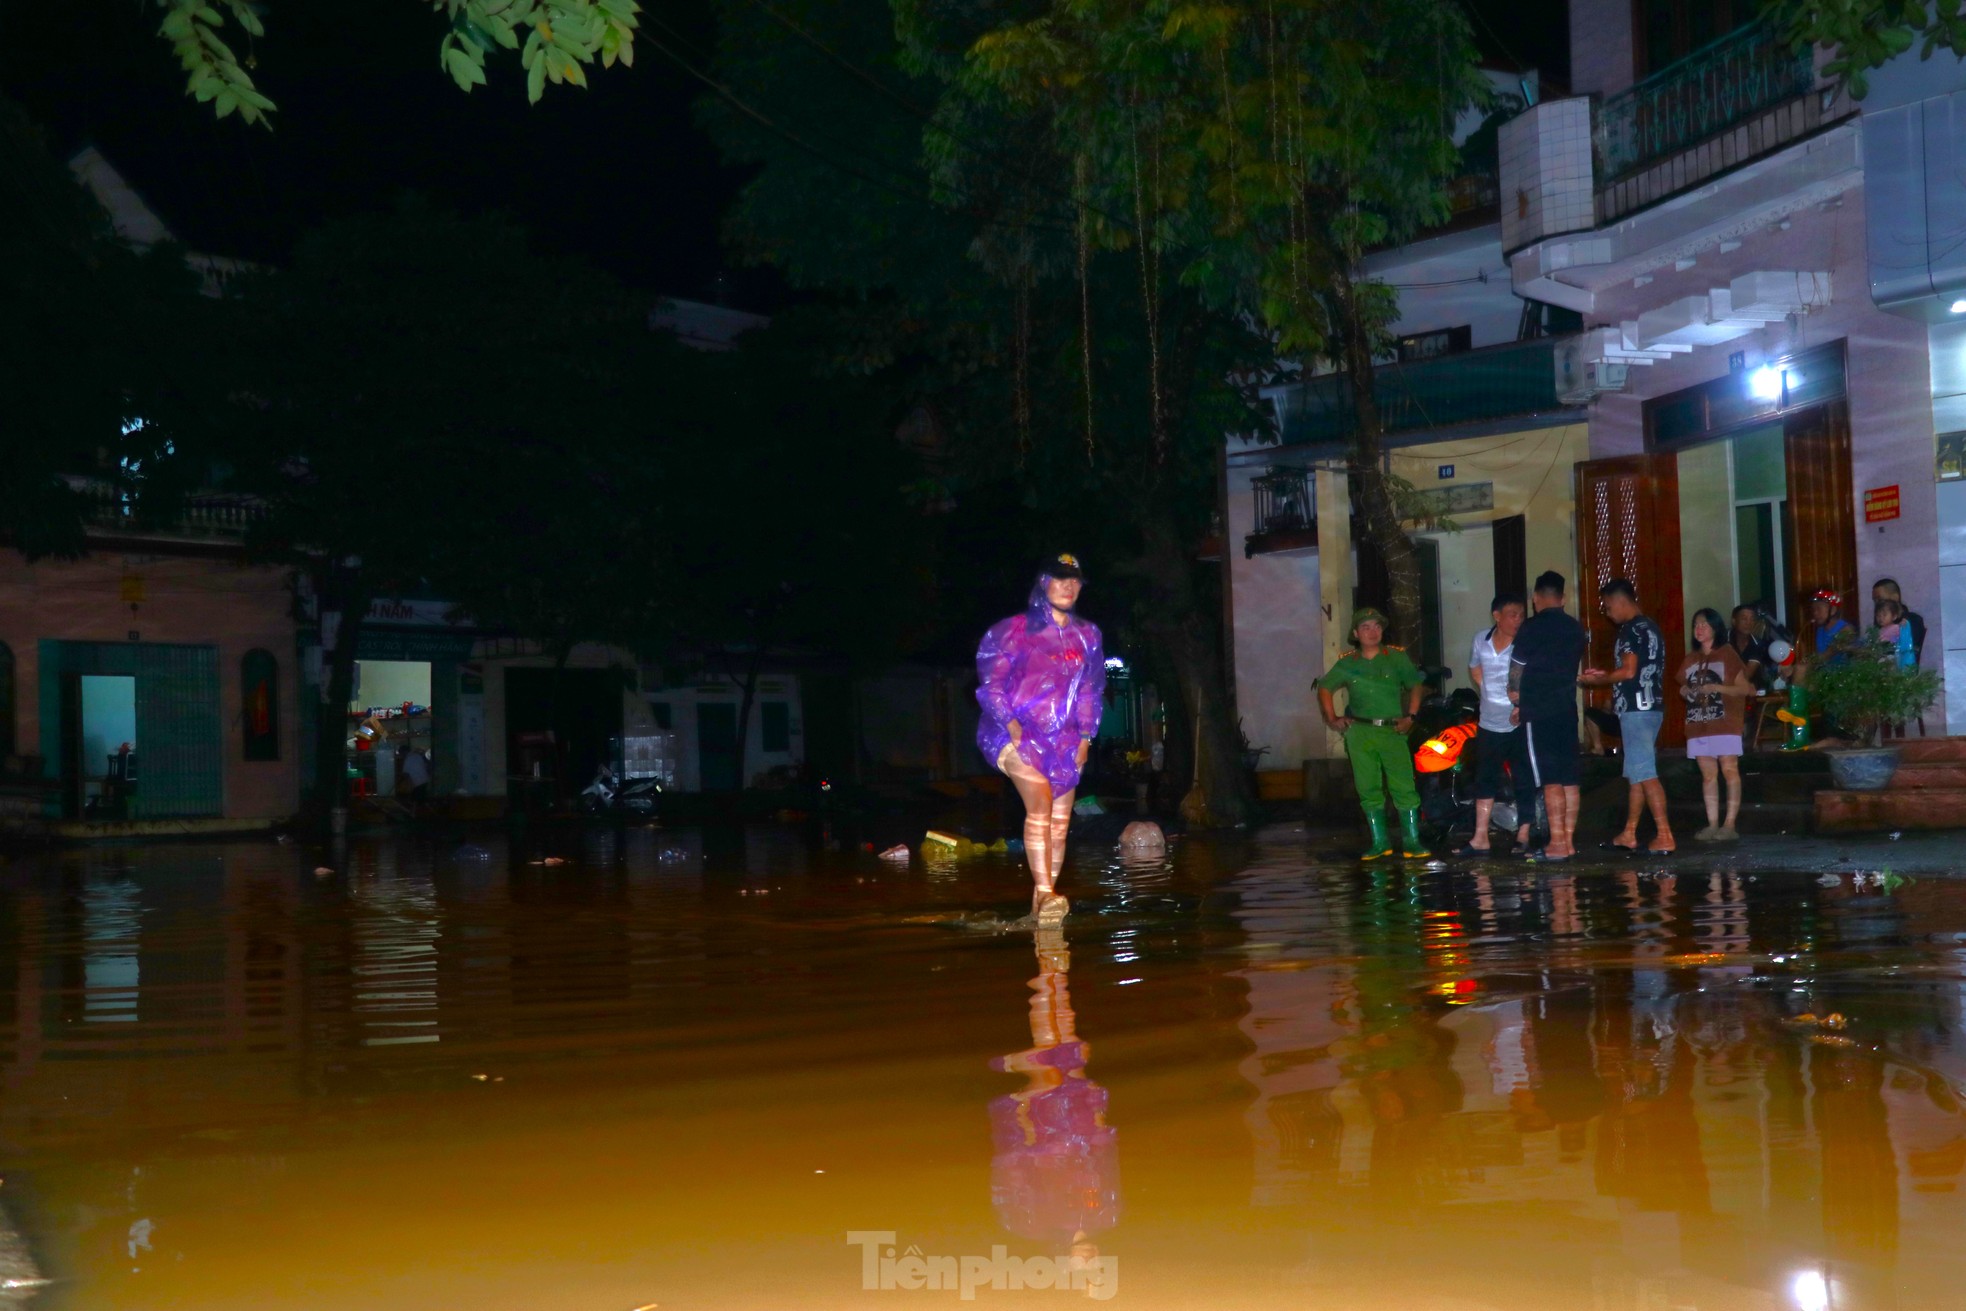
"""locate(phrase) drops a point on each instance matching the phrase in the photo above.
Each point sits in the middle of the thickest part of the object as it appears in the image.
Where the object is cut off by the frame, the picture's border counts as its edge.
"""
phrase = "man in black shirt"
(1751, 644)
(1543, 684)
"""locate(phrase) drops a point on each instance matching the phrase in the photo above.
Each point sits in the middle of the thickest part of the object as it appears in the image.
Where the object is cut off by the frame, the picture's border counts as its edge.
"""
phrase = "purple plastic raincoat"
(1051, 680)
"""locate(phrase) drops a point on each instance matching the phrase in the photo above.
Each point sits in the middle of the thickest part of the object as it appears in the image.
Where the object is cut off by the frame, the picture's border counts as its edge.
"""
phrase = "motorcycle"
(610, 793)
(1444, 751)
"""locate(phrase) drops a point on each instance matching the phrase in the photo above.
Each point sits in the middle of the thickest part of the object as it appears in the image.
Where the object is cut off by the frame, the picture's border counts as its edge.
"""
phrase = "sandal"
(1615, 845)
(1469, 849)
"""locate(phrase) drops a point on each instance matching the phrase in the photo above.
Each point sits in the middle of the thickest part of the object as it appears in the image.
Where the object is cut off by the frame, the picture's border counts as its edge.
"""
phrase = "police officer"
(1385, 694)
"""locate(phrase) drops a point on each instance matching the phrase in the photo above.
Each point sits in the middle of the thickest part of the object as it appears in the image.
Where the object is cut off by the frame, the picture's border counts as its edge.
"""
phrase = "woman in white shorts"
(1714, 684)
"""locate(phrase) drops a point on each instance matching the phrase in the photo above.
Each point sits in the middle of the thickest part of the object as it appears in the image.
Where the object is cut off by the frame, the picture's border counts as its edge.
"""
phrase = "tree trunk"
(744, 704)
(1366, 466)
(346, 594)
(1221, 796)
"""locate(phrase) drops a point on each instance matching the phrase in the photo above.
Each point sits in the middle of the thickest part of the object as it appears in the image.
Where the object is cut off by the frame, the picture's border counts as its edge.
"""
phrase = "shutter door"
(180, 743)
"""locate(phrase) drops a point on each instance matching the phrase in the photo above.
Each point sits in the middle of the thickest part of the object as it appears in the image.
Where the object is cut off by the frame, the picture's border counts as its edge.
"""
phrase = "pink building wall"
(189, 599)
(1600, 47)
(1888, 380)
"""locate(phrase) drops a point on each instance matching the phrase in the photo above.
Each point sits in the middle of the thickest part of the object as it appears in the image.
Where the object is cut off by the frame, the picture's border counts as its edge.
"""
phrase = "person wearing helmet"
(1041, 681)
(1384, 696)
(1831, 630)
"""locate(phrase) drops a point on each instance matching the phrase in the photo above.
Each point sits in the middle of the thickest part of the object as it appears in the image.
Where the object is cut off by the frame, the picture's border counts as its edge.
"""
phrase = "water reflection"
(1744, 1079)
(499, 1082)
(1054, 1172)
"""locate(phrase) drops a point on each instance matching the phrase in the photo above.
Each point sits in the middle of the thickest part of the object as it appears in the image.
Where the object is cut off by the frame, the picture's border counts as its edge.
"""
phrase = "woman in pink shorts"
(1714, 684)
(1041, 680)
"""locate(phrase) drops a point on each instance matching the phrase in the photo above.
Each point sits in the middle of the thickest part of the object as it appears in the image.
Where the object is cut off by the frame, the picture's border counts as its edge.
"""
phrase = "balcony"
(1742, 96)
(1496, 382)
(1286, 513)
(1574, 164)
(109, 511)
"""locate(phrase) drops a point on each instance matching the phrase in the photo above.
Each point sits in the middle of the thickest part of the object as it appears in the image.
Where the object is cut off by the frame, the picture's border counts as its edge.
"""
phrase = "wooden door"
(1822, 515)
(1628, 527)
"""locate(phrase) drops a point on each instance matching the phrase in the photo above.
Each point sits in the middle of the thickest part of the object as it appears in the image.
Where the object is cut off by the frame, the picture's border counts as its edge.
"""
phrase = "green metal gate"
(180, 738)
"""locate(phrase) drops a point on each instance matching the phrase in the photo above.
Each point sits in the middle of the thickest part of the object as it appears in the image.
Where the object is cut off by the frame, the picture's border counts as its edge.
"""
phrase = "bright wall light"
(1810, 1291)
(1958, 307)
(1765, 383)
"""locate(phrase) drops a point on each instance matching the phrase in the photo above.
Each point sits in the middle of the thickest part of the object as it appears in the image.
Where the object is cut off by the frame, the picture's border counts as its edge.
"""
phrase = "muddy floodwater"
(716, 1069)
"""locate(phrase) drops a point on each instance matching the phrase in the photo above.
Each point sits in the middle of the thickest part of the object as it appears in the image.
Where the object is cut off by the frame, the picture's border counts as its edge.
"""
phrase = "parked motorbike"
(1444, 752)
(609, 793)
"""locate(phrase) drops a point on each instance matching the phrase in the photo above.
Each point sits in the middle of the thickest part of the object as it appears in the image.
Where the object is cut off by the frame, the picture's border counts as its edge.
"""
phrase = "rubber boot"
(1796, 716)
(1409, 835)
(1381, 844)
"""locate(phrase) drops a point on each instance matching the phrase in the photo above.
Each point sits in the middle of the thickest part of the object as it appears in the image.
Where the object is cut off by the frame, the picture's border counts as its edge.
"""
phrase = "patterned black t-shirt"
(1641, 692)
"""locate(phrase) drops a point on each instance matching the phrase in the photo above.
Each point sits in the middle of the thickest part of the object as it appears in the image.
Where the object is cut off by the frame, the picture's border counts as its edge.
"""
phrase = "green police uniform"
(1381, 761)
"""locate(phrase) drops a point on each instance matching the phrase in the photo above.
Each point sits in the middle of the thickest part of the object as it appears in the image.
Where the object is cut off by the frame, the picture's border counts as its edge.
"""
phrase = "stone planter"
(1867, 769)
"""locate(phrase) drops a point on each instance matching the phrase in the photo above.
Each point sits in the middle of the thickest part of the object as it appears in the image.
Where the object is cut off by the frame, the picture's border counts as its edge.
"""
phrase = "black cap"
(1062, 565)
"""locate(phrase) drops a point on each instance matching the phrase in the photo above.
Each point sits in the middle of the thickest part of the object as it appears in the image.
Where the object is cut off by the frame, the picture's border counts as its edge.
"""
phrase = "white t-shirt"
(1494, 667)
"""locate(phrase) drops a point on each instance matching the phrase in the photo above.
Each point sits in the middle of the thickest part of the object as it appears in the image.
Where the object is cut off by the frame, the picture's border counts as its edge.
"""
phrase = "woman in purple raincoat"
(1041, 680)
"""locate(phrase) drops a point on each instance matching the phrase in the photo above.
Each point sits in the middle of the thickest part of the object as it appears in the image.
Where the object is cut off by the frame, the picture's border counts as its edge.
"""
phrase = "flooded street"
(695, 1070)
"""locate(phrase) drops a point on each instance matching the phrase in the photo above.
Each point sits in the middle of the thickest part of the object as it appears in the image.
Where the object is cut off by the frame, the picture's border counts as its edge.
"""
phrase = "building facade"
(1768, 346)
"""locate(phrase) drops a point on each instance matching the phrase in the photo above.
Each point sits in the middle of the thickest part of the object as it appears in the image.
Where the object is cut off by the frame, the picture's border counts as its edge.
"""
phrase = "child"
(1892, 630)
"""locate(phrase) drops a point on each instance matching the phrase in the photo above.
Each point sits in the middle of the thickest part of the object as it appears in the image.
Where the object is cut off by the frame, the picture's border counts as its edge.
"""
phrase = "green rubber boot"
(1410, 843)
(1381, 845)
(1797, 718)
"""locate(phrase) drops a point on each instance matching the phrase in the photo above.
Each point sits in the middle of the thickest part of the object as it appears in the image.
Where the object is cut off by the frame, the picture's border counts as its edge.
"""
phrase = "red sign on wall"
(1880, 503)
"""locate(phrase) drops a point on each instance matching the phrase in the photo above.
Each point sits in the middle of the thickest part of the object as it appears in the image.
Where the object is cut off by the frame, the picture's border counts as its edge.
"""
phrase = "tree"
(1867, 34)
(424, 401)
(99, 358)
(1255, 152)
(791, 501)
(936, 285)
(557, 41)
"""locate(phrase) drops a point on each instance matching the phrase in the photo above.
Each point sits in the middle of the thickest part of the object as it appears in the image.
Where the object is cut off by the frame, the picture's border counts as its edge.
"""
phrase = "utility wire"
(759, 116)
(928, 118)
(765, 121)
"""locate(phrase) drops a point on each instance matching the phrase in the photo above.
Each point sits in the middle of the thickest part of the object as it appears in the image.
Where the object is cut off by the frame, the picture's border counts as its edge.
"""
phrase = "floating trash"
(898, 852)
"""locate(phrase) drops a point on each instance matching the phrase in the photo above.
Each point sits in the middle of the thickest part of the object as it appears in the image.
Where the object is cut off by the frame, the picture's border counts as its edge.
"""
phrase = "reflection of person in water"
(1054, 1175)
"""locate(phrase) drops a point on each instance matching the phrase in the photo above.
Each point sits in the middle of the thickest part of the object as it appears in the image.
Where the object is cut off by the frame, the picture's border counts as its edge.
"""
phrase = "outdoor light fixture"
(1958, 306)
(1810, 1291)
(1765, 383)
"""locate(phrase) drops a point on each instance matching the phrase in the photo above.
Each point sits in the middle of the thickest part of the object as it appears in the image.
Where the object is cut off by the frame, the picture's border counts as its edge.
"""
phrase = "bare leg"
(1061, 823)
(1572, 803)
(1710, 790)
(1634, 807)
(1730, 766)
(1655, 801)
(1034, 790)
(1484, 808)
(1553, 801)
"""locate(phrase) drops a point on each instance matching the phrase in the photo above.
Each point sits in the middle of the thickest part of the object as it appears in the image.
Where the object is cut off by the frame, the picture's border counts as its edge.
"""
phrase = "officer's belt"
(1379, 723)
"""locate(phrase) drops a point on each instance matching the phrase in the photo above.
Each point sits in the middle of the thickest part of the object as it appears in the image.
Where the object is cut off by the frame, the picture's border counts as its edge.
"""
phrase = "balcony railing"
(111, 509)
(1491, 383)
(1286, 512)
(1717, 87)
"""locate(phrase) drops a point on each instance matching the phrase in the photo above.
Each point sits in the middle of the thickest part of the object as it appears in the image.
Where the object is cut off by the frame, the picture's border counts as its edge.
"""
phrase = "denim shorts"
(1641, 733)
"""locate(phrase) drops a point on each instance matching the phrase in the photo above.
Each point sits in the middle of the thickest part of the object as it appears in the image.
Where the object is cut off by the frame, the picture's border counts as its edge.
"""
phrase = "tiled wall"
(1546, 172)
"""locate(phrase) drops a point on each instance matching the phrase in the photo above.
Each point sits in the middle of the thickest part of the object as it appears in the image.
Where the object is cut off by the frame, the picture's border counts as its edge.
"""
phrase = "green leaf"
(536, 81)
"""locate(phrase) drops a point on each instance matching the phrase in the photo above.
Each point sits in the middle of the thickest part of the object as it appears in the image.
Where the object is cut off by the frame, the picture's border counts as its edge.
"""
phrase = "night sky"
(617, 172)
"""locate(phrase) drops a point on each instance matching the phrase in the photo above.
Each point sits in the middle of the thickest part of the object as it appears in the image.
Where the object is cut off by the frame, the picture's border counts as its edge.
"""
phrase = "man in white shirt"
(1501, 748)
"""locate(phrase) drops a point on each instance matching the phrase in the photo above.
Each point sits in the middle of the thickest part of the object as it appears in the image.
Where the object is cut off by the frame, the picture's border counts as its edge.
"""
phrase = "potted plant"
(1860, 692)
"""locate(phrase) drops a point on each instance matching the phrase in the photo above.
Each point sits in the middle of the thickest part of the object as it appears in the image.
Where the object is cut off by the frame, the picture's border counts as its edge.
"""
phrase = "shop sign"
(1880, 503)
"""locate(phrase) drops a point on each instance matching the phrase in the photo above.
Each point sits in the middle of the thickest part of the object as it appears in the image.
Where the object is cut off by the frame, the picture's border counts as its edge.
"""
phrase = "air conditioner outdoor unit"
(1579, 377)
